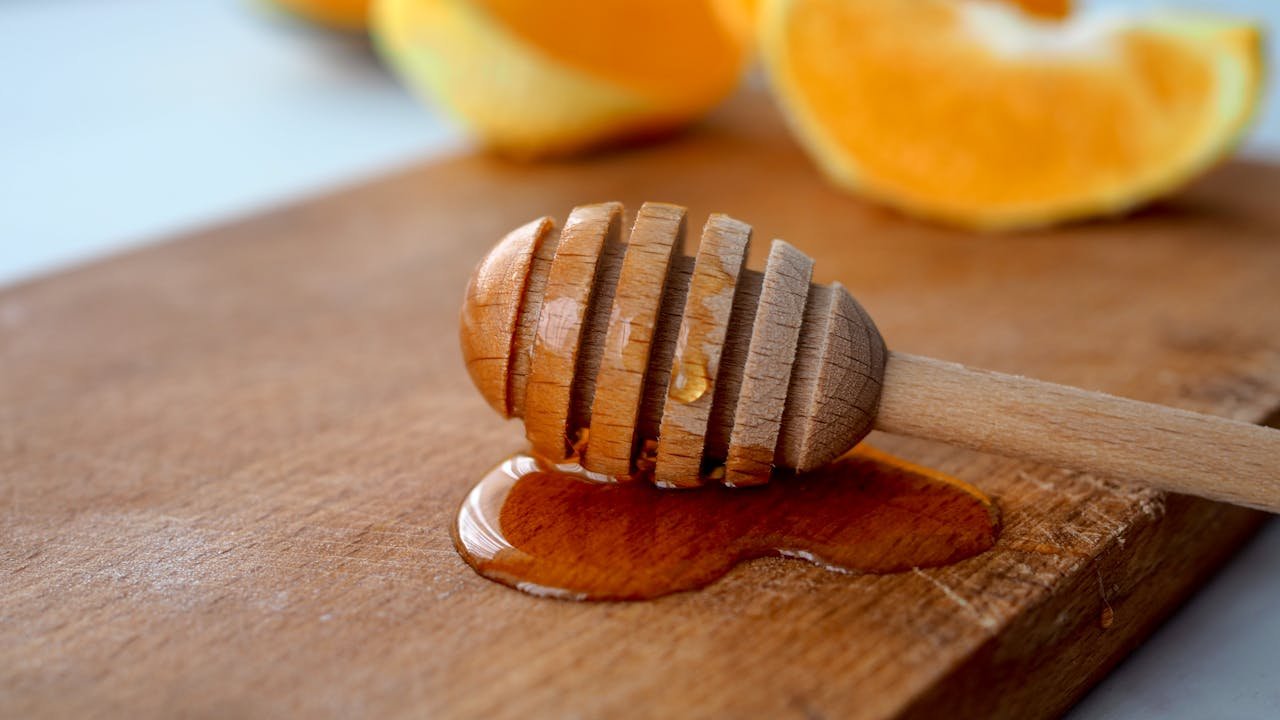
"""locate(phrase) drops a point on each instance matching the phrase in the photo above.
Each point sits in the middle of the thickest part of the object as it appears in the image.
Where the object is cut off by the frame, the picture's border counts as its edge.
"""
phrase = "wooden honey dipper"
(700, 368)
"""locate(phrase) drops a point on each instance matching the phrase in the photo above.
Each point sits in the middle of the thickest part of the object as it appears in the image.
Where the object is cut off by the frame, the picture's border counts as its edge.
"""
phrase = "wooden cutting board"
(230, 462)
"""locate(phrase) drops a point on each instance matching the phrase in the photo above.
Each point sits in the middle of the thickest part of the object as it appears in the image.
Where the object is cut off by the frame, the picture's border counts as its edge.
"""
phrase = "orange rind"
(559, 76)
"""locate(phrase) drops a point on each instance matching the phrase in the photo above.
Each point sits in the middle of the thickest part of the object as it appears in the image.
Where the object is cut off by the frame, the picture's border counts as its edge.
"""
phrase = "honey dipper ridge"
(687, 365)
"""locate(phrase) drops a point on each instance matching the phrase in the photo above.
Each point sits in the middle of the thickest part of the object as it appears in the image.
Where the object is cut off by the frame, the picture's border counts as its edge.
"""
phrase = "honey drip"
(551, 530)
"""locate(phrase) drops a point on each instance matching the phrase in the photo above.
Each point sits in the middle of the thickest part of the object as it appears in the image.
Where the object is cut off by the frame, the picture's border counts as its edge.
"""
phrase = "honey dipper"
(702, 369)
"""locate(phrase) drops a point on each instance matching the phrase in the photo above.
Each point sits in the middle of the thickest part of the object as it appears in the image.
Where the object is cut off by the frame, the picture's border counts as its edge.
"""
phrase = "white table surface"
(131, 120)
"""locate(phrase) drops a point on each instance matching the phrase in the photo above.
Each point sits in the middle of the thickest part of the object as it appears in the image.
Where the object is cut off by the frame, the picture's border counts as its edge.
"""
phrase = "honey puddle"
(553, 532)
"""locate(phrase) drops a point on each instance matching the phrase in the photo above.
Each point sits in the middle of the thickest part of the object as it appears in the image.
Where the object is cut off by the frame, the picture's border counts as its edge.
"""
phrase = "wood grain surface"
(1174, 450)
(657, 236)
(229, 462)
(696, 358)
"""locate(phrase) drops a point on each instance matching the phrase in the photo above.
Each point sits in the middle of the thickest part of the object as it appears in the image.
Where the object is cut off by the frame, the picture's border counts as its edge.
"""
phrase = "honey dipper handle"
(1171, 449)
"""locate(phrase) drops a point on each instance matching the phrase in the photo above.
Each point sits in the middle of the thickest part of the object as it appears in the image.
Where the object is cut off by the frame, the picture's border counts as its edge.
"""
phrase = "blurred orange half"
(978, 114)
(556, 76)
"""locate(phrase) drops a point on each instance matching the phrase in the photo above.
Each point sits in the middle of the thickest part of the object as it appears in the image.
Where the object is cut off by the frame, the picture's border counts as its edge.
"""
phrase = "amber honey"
(557, 531)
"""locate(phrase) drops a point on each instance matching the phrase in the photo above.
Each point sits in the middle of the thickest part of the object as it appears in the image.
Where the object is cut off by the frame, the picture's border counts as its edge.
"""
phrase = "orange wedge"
(978, 114)
(1045, 8)
(338, 14)
(555, 76)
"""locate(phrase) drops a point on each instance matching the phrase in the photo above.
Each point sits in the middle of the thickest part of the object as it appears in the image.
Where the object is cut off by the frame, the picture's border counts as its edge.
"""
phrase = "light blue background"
(122, 121)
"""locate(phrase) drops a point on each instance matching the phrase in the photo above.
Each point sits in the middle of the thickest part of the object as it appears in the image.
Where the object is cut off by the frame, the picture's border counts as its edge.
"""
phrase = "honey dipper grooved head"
(661, 360)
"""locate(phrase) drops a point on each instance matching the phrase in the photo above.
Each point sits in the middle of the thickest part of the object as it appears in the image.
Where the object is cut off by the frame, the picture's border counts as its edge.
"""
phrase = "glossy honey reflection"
(550, 530)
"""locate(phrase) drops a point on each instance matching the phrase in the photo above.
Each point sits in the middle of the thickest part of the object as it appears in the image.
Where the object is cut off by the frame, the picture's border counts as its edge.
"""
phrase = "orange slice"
(553, 76)
(978, 114)
(742, 14)
(1045, 8)
(338, 14)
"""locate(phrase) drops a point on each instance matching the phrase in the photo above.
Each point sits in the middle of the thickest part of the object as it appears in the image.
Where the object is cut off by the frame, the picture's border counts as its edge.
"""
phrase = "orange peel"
(558, 76)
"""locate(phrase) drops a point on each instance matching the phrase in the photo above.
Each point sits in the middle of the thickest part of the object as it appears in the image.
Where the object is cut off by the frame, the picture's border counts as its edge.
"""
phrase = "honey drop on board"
(550, 531)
